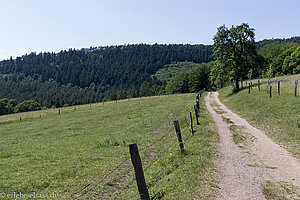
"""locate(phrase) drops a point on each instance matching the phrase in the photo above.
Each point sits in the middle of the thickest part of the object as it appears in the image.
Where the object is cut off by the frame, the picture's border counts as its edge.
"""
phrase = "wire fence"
(118, 180)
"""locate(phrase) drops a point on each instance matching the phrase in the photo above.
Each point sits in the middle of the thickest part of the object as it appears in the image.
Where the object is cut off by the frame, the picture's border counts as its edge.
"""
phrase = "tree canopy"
(235, 51)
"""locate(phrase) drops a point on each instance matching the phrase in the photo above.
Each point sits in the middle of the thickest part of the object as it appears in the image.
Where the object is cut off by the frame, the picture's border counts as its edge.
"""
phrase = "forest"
(98, 74)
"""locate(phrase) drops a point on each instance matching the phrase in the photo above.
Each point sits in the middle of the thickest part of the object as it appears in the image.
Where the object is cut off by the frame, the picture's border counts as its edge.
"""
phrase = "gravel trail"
(244, 169)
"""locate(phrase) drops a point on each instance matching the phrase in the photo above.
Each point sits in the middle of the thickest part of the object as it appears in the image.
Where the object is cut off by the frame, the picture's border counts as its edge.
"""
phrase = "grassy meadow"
(278, 117)
(83, 152)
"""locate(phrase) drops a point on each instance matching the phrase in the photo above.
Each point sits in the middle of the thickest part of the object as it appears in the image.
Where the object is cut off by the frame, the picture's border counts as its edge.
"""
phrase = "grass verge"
(280, 191)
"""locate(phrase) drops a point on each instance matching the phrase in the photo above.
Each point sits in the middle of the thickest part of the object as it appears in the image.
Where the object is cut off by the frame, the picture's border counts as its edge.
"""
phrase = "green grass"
(261, 165)
(227, 120)
(64, 153)
(240, 137)
(278, 117)
(280, 191)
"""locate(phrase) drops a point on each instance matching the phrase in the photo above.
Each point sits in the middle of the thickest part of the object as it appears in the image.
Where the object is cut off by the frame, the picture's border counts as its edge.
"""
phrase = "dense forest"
(116, 72)
(92, 75)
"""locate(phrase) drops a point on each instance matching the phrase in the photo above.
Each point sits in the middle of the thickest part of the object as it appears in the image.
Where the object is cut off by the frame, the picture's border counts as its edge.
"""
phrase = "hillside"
(97, 74)
(84, 150)
(92, 75)
(265, 42)
(278, 116)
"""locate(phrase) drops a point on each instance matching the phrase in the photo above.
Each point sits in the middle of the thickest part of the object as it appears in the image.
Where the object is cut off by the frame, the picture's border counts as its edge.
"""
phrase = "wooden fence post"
(278, 88)
(270, 91)
(258, 85)
(268, 87)
(138, 170)
(178, 133)
(251, 85)
(246, 84)
(196, 113)
(296, 83)
(59, 111)
(20, 118)
(191, 119)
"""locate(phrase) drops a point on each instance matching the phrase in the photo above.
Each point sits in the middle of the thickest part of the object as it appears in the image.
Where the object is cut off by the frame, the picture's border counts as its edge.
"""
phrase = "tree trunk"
(237, 87)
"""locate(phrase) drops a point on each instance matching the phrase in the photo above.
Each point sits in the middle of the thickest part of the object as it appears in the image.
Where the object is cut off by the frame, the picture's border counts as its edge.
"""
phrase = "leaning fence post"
(278, 88)
(196, 113)
(191, 119)
(270, 91)
(138, 170)
(178, 133)
(296, 83)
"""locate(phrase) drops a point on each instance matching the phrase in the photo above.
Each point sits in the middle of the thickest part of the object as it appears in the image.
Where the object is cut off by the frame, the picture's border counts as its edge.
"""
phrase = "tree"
(291, 64)
(178, 84)
(199, 78)
(235, 50)
(27, 105)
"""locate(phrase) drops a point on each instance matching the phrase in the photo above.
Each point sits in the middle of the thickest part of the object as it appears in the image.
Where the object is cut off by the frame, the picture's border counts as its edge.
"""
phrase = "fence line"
(159, 155)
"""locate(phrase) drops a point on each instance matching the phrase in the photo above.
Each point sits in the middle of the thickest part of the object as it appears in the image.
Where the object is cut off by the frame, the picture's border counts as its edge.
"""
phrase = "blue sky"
(53, 25)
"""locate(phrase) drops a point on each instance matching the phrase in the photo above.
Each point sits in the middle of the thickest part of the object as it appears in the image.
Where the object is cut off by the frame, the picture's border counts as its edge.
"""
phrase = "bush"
(27, 105)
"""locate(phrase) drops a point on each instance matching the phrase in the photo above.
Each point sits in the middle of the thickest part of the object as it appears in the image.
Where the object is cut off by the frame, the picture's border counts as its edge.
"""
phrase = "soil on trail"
(251, 160)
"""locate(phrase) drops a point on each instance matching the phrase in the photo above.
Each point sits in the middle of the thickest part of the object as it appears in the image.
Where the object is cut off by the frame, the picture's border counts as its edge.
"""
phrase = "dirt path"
(256, 159)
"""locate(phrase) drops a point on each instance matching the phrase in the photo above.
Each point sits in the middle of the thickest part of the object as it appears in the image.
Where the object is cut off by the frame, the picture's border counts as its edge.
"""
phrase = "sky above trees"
(52, 25)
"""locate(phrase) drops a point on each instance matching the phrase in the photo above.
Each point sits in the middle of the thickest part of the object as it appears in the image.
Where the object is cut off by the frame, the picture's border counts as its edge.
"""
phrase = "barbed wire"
(98, 183)
(91, 186)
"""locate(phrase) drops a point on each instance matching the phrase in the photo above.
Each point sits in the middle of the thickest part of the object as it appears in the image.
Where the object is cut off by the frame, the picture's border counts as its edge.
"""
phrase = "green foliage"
(178, 84)
(219, 76)
(171, 70)
(291, 64)
(145, 89)
(92, 75)
(192, 81)
(235, 51)
(199, 78)
(7, 106)
(278, 54)
(27, 105)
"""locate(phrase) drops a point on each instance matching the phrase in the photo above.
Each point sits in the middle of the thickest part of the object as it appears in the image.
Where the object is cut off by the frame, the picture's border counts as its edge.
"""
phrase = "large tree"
(235, 51)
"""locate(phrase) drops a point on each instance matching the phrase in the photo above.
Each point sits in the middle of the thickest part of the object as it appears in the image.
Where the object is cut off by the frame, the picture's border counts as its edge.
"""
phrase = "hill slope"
(93, 74)
(87, 147)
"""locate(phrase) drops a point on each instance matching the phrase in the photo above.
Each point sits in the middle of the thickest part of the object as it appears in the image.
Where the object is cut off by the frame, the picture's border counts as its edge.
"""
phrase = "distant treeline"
(94, 74)
(117, 72)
